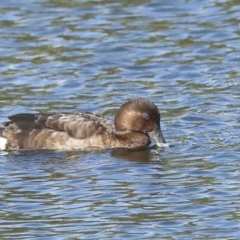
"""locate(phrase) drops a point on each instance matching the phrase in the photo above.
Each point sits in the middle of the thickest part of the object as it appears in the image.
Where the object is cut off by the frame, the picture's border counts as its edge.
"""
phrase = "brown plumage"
(136, 123)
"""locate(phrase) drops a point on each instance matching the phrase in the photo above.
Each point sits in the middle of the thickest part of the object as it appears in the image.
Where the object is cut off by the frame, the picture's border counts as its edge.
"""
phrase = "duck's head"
(140, 115)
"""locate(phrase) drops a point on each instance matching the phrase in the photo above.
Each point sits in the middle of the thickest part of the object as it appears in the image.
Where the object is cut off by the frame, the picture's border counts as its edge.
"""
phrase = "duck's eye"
(146, 116)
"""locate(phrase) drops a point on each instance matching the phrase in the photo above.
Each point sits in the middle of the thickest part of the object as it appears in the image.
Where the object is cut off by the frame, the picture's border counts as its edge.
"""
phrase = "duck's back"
(65, 131)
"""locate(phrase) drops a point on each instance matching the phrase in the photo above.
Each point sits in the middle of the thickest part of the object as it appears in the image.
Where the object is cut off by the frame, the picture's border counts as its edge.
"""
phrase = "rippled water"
(78, 55)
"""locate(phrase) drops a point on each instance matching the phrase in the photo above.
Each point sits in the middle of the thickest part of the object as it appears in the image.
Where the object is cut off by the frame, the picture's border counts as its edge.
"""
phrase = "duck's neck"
(132, 139)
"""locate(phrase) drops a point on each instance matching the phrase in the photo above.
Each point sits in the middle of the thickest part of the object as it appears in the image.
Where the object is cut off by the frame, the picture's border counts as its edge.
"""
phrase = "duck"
(136, 125)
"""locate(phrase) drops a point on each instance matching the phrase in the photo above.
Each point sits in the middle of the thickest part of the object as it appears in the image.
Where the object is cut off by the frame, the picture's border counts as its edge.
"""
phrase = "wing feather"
(77, 125)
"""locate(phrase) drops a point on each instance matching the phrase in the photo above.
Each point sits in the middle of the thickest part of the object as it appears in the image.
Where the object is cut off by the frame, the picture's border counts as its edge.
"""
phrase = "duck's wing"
(77, 125)
(23, 121)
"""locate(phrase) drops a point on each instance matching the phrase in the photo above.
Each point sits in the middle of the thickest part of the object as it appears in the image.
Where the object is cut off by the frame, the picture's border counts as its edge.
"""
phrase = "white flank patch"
(3, 142)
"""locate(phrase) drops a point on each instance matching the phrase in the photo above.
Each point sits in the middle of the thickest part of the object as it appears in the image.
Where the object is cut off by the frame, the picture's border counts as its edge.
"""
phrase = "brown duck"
(136, 124)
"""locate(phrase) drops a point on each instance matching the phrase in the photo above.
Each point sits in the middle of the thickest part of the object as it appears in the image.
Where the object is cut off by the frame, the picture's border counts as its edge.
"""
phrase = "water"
(93, 56)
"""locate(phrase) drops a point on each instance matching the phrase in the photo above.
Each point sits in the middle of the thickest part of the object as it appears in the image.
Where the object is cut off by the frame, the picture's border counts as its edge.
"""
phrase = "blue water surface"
(78, 55)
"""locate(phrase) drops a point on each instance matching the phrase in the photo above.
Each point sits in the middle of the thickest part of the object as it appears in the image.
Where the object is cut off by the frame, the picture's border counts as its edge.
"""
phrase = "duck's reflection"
(137, 155)
(47, 156)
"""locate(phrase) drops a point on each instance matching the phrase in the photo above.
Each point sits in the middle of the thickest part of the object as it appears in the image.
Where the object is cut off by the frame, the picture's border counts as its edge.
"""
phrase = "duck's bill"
(156, 136)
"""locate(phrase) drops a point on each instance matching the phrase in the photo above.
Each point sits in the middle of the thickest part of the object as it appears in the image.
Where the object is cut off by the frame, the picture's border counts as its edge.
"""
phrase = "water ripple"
(82, 56)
